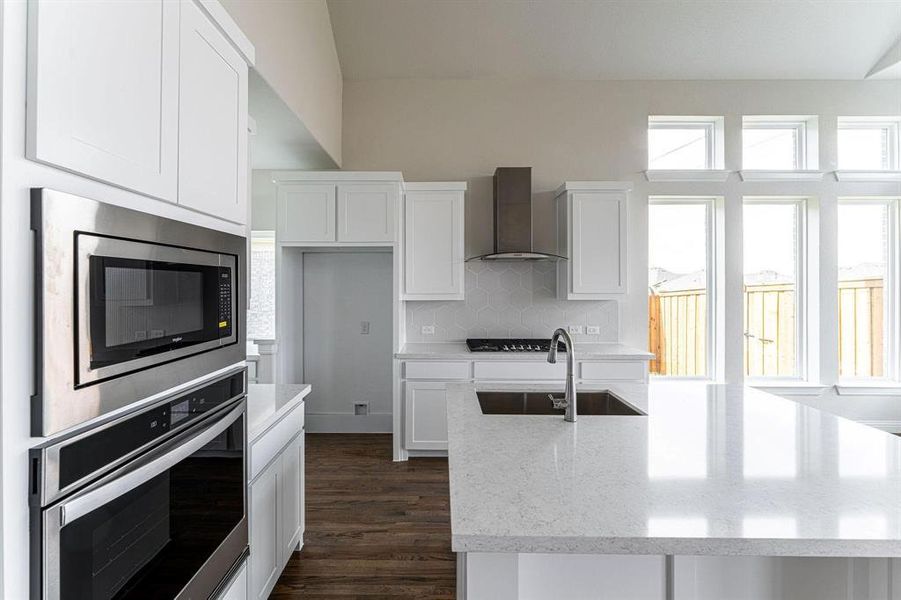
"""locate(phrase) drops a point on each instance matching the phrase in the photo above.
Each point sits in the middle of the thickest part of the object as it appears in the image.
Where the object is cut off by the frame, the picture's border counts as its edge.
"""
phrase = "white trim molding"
(876, 176)
(887, 388)
(762, 175)
(789, 389)
(697, 175)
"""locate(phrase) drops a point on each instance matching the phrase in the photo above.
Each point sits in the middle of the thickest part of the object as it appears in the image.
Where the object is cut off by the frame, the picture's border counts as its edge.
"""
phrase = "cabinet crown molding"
(435, 186)
(594, 186)
(338, 176)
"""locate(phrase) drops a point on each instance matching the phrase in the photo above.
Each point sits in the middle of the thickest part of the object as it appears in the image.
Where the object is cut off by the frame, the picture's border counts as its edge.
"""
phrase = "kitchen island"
(718, 492)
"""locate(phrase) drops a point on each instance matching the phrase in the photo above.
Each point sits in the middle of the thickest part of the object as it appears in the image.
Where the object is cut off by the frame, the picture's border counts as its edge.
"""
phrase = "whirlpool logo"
(175, 340)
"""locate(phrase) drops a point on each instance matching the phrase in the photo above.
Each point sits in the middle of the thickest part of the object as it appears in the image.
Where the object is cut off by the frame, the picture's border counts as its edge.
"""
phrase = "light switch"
(364, 327)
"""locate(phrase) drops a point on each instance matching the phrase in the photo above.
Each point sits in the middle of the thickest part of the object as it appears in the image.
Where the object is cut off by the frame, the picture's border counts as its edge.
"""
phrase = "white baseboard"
(344, 423)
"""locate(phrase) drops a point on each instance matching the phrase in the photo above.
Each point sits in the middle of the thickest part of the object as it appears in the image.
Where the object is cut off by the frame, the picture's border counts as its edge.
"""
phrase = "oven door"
(170, 524)
(141, 304)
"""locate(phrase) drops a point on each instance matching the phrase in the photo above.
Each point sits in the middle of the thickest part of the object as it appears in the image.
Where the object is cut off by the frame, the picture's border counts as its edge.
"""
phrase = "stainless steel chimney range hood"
(513, 217)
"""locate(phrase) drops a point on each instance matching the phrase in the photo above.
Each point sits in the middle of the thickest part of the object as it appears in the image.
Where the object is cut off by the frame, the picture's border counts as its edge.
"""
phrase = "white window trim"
(891, 379)
(801, 134)
(802, 325)
(713, 128)
(892, 125)
(713, 345)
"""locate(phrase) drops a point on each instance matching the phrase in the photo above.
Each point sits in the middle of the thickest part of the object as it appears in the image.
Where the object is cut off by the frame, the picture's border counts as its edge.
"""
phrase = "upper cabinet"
(433, 241)
(366, 212)
(592, 233)
(337, 208)
(212, 134)
(103, 91)
(150, 96)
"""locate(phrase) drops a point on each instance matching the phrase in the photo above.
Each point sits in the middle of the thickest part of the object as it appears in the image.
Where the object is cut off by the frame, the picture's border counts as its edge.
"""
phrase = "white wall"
(296, 55)
(344, 366)
(463, 129)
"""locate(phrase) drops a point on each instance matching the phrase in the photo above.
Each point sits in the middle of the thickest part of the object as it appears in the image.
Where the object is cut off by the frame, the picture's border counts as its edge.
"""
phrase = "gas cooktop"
(511, 345)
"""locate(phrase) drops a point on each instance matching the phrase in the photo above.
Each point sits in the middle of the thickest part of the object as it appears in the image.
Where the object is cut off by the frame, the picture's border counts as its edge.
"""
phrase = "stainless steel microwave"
(128, 305)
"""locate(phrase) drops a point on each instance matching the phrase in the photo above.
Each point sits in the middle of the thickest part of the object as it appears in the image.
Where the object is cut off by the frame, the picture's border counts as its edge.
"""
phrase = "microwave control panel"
(225, 302)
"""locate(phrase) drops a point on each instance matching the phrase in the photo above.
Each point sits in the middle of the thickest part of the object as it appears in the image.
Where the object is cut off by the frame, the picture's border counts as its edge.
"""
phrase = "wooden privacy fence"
(677, 330)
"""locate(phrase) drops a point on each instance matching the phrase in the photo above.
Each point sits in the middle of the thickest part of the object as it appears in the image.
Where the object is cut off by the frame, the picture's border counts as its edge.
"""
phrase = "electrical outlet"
(361, 409)
(593, 329)
(575, 329)
(428, 330)
(364, 327)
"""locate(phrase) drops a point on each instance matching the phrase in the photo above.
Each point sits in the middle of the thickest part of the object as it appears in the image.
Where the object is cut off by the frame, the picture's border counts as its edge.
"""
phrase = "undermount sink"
(538, 403)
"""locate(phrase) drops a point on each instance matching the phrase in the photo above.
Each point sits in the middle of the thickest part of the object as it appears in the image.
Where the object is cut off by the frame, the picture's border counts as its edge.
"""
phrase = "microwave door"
(145, 304)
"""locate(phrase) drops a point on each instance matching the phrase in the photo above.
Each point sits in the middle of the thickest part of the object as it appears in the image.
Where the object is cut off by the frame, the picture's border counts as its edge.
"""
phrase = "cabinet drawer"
(525, 370)
(270, 443)
(613, 371)
(432, 369)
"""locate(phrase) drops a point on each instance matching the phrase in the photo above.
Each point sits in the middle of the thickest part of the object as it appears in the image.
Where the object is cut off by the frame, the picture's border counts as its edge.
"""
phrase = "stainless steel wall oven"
(149, 505)
(128, 305)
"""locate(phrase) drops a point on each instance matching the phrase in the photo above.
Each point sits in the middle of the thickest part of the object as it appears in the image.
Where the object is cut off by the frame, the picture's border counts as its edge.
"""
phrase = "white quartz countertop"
(459, 351)
(268, 402)
(712, 469)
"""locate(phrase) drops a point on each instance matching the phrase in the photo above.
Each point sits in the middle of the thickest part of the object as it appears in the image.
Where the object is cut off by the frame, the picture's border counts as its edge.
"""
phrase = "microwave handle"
(79, 506)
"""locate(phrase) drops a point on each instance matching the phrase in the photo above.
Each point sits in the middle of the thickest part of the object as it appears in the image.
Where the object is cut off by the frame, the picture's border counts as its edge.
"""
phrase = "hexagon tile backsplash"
(510, 299)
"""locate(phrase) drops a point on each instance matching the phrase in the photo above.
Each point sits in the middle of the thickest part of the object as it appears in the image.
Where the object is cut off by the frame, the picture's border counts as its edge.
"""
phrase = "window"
(776, 143)
(773, 278)
(685, 143)
(868, 144)
(679, 284)
(261, 307)
(867, 287)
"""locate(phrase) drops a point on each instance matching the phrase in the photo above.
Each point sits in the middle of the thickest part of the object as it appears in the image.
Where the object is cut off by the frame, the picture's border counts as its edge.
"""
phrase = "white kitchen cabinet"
(592, 233)
(320, 208)
(265, 544)
(366, 212)
(103, 91)
(276, 512)
(237, 587)
(212, 134)
(433, 241)
(306, 212)
(291, 526)
(425, 415)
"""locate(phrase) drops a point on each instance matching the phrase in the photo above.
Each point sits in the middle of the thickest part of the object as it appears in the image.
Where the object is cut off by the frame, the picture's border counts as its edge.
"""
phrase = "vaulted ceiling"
(616, 39)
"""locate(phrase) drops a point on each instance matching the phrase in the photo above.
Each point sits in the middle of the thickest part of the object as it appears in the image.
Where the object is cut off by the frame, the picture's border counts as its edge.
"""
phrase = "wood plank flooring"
(374, 528)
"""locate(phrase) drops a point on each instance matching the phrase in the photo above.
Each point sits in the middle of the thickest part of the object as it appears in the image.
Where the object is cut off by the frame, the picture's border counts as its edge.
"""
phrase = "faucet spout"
(569, 398)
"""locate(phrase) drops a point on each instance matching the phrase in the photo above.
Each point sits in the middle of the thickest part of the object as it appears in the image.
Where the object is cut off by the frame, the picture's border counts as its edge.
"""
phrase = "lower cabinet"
(425, 415)
(276, 500)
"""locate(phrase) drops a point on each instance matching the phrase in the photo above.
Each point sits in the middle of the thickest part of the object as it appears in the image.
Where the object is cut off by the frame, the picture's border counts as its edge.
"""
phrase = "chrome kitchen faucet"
(569, 396)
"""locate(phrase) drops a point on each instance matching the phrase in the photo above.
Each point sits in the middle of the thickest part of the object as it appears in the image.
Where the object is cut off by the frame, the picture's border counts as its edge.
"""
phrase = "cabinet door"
(265, 543)
(425, 415)
(212, 136)
(103, 91)
(433, 246)
(597, 223)
(366, 212)
(306, 213)
(292, 497)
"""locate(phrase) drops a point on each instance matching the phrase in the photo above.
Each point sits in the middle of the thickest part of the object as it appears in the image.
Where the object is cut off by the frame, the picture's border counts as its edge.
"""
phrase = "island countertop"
(711, 470)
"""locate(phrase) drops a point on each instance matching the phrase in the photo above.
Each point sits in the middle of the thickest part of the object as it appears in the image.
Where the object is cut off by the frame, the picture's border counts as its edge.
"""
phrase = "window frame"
(892, 300)
(891, 125)
(712, 127)
(802, 288)
(712, 264)
(801, 135)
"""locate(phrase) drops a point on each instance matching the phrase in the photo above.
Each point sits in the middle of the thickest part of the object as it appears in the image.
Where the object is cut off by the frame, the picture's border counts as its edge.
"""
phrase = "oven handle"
(79, 506)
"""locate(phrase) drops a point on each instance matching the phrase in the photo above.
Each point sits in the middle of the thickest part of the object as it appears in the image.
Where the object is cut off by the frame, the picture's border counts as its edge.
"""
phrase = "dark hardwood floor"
(374, 528)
